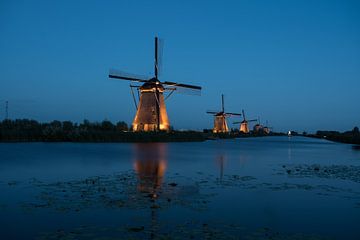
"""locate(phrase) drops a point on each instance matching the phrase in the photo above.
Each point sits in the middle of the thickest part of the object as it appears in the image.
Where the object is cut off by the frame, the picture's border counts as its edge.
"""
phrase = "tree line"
(31, 130)
(352, 136)
(27, 130)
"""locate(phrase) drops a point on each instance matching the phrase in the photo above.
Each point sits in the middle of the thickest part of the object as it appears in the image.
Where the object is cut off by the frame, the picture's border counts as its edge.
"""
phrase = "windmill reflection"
(150, 165)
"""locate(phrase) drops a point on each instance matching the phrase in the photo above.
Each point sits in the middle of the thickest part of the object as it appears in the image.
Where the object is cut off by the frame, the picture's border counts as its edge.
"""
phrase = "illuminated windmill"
(220, 125)
(244, 124)
(151, 112)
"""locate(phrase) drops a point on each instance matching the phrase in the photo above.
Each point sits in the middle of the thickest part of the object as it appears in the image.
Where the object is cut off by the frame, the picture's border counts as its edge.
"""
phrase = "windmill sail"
(113, 73)
(183, 88)
(160, 48)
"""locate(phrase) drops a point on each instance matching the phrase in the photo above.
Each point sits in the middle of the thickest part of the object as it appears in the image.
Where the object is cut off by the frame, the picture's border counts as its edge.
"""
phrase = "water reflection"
(289, 149)
(356, 147)
(150, 161)
(221, 161)
(150, 165)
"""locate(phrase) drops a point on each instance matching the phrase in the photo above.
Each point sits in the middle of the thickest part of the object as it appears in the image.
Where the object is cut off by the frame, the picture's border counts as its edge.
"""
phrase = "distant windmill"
(151, 112)
(266, 128)
(258, 127)
(220, 125)
(244, 126)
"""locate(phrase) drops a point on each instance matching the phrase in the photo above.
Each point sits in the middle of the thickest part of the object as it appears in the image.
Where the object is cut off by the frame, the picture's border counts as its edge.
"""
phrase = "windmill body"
(151, 114)
(244, 125)
(266, 130)
(258, 127)
(220, 124)
(147, 117)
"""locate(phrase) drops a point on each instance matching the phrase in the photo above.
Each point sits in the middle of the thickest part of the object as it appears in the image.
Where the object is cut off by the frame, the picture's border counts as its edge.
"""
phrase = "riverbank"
(349, 137)
(128, 136)
(25, 130)
(104, 136)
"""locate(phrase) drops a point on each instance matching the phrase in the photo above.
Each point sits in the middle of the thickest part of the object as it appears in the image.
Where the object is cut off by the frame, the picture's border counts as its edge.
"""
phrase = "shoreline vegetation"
(26, 130)
(349, 137)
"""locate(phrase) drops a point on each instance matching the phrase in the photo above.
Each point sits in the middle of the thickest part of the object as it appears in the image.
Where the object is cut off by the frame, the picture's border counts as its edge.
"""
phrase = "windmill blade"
(188, 91)
(234, 114)
(159, 61)
(243, 113)
(156, 66)
(181, 85)
(222, 103)
(126, 76)
(184, 88)
(236, 122)
(211, 112)
(252, 120)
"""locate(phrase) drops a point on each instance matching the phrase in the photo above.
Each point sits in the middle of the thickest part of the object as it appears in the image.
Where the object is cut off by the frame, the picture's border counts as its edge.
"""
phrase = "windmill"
(258, 127)
(266, 128)
(151, 112)
(220, 125)
(244, 126)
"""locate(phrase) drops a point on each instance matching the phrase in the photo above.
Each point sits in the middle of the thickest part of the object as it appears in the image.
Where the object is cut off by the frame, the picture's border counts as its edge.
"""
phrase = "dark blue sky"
(293, 63)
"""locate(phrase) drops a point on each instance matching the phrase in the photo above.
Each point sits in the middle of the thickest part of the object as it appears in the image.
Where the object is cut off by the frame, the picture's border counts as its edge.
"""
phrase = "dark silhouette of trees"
(25, 130)
(352, 137)
(121, 126)
(31, 130)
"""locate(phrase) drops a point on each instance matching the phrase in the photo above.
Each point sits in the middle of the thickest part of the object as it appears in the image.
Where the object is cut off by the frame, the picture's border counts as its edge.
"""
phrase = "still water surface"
(254, 188)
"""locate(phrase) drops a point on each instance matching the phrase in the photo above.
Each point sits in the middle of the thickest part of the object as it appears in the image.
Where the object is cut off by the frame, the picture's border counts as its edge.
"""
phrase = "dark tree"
(122, 126)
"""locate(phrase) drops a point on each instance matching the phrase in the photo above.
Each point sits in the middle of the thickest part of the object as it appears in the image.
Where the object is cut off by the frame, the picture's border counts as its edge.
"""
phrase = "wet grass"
(342, 172)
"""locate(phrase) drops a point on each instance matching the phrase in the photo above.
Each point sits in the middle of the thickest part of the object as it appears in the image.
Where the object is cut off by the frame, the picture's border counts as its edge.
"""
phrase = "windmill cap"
(152, 83)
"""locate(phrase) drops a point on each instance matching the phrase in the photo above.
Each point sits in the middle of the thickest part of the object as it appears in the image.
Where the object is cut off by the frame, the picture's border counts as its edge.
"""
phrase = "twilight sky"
(293, 63)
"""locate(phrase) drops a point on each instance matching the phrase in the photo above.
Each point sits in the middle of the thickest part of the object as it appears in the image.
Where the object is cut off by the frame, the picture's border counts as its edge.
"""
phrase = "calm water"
(255, 188)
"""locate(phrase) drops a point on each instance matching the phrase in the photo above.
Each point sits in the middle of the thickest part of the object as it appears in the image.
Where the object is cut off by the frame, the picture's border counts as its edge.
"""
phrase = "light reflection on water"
(231, 186)
(150, 162)
(150, 165)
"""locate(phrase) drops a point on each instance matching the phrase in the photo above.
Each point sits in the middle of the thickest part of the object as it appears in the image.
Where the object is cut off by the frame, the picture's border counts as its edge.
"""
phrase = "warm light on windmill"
(220, 124)
(151, 112)
(244, 124)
